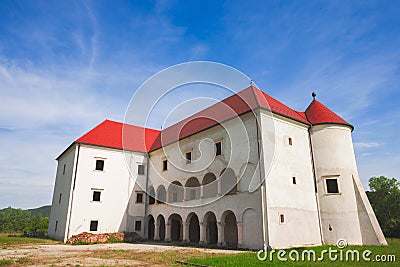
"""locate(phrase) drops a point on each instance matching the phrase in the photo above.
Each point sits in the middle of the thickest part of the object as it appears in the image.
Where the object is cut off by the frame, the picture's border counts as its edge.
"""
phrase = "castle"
(246, 172)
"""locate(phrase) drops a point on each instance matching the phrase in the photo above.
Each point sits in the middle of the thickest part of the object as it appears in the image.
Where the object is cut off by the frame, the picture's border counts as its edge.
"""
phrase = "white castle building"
(291, 180)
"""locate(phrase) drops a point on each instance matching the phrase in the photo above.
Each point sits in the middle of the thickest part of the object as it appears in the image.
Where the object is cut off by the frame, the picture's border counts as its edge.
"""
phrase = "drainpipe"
(72, 193)
(145, 196)
(315, 185)
(263, 185)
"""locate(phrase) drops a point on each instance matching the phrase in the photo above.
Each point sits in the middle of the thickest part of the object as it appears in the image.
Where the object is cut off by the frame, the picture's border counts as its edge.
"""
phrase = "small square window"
(55, 228)
(94, 225)
(294, 180)
(281, 218)
(96, 195)
(99, 165)
(139, 197)
(140, 169)
(188, 157)
(138, 225)
(218, 148)
(290, 141)
(332, 186)
(59, 199)
(64, 168)
(165, 165)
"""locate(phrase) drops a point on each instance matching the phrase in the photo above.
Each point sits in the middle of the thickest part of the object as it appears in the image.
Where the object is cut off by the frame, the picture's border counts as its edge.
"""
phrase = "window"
(294, 180)
(55, 228)
(165, 165)
(192, 194)
(139, 197)
(138, 225)
(99, 164)
(94, 225)
(290, 141)
(332, 186)
(281, 218)
(175, 197)
(218, 149)
(96, 195)
(188, 157)
(140, 169)
(64, 168)
(59, 199)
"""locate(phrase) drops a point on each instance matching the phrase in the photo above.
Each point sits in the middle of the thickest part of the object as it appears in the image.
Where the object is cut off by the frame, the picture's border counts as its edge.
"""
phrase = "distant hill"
(45, 211)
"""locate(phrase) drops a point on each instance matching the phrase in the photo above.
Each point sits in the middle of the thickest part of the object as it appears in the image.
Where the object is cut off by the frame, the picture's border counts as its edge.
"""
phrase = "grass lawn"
(6, 240)
(249, 259)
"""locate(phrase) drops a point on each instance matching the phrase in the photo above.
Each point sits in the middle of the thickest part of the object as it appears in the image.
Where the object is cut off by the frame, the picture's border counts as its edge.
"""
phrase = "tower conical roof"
(318, 113)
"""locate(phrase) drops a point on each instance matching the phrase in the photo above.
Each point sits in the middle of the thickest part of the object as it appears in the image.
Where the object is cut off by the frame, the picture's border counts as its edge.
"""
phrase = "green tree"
(385, 200)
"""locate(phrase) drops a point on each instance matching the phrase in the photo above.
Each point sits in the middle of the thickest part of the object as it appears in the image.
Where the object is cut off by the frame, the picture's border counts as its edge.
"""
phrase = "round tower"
(345, 212)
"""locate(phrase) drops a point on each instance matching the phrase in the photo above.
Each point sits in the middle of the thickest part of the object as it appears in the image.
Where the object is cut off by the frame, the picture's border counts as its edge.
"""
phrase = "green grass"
(250, 259)
(6, 240)
(5, 262)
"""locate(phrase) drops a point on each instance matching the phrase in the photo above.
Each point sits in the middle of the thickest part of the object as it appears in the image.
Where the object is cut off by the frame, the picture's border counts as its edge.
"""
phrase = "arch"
(175, 222)
(150, 227)
(175, 192)
(230, 228)
(192, 188)
(194, 228)
(161, 194)
(228, 181)
(210, 224)
(161, 227)
(249, 178)
(251, 229)
(210, 185)
(151, 195)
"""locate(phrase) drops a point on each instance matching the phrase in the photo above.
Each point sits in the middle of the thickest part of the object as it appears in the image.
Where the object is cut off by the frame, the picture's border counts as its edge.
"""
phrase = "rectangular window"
(94, 225)
(188, 157)
(96, 195)
(294, 180)
(64, 168)
(139, 197)
(281, 218)
(165, 165)
(332, 186)
(175, 197)
(290, 141)
(218, 148)
(59, 199)
(140, 169)
(55, 228)
(99, 164)
(138, 225)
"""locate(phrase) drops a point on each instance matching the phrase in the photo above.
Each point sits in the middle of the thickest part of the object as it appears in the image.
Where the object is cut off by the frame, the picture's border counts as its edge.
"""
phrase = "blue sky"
(65, 66)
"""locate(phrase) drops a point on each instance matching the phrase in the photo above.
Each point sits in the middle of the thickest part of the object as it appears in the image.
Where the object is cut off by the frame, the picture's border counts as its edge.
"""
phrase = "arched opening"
(192, 188)
(230, 229)
(151, 195)
(251, 227)
(161, 227)
(175, 192)
(161, 195)
(211, 228)
(210, 185)
(150, 228)
(175, 221)
(194, 228)
(228, 181)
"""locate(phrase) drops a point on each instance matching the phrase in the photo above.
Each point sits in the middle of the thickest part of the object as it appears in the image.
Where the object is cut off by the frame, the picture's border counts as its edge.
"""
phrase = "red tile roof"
(109, 133)
(318, 113)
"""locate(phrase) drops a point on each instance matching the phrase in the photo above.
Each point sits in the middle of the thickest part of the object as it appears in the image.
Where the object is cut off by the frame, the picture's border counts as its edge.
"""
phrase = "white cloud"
(367, 144)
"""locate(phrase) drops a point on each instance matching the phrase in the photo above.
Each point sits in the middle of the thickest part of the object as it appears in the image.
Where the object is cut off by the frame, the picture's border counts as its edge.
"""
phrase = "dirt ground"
(118, 254)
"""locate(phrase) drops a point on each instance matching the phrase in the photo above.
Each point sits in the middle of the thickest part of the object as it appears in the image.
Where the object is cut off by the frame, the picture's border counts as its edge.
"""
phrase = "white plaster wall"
(334, 155)
(297, 202)
(63, 182)
(116, 185)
